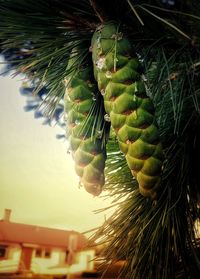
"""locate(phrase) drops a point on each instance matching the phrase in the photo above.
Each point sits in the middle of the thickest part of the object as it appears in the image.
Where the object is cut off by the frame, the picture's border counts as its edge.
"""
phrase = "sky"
(37, 178)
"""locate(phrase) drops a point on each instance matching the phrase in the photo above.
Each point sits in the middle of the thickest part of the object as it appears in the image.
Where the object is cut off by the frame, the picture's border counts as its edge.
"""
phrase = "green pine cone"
(87, 150)
(118, 73)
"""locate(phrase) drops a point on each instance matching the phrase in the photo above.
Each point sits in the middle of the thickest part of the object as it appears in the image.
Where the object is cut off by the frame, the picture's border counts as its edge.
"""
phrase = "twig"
(97, 10)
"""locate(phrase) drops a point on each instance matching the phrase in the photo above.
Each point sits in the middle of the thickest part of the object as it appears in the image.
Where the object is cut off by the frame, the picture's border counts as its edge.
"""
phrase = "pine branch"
(45, 47)
(157, 239)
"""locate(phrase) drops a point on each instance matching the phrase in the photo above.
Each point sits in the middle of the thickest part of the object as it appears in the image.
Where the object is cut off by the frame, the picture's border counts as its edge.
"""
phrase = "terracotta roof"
(29, 234)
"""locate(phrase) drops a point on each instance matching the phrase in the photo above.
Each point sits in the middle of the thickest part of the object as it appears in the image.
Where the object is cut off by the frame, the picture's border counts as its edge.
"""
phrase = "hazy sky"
(37, 177)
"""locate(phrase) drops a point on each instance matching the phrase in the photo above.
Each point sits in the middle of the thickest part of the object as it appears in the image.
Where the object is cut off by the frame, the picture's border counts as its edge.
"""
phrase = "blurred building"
(27, 249)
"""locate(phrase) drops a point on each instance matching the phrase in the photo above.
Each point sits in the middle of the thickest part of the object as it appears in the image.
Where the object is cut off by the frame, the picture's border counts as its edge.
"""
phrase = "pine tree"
(157, 44)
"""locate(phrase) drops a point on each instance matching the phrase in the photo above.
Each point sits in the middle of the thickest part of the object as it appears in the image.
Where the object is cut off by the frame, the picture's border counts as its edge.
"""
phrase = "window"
(3, 251)
(47, 253)
(38, 253)
(42, 253)
(66, 255)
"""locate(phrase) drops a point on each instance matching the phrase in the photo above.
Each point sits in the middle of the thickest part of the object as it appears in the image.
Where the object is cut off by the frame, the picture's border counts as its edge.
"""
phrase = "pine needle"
(166, 22)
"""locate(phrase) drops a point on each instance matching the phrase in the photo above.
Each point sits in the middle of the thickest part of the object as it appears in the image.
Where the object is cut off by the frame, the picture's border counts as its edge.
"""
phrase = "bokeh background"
(37, 178)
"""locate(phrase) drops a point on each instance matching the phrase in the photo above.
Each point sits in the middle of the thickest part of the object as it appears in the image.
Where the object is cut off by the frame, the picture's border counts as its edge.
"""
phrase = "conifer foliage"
(128, 72)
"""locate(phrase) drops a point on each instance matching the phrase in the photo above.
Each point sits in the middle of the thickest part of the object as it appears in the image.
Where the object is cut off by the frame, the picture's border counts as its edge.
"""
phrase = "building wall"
(53, 263)
(46, 265)
(57, 263)
(84, 261)
(10, 263)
